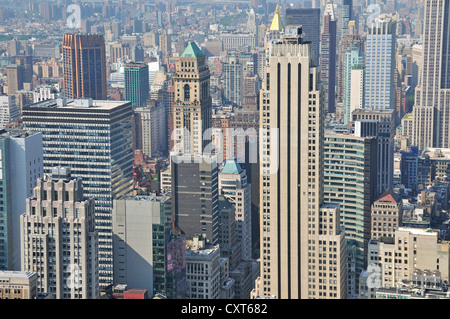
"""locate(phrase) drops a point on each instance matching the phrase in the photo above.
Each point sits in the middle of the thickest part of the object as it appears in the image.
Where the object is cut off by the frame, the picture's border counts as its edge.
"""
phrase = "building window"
(187, 94)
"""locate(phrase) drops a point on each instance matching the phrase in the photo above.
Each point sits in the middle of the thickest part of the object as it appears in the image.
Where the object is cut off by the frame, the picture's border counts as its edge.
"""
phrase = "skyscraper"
(93, 139)
(327, 60)
(8, 110)
(59, 240)
(165, 43)
(234, 187)
(192, 106)
(150, 129)
(137, 88)
(84, 63)
(350, 39)
(354, 60)
(233, 72)
(346, 16)
(350, 180)
(15, 76)
(384, 130)
(141, 227)
(309, 19)
(433, 90)
(380, 66)
(21, 165)
(26, 62)
(195, 208)
(295, 224)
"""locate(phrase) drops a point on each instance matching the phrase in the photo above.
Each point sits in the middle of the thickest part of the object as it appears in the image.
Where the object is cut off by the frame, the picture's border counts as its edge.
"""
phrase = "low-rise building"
(18, 285)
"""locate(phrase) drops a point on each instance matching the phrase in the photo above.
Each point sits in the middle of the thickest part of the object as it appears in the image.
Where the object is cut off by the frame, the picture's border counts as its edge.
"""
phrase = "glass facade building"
(84, 64)
(137, 88)
(350, 175)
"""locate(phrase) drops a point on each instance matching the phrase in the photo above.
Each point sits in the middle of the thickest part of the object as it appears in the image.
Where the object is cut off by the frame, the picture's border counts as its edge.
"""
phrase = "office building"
(26, 62)
(433, 91)
(354, 66)
(292, 209)
(18, 285)
(233, 185)
(8, 110)
(150, 129)
(309, 19)
(84, 64)
(409, 163)
(229, 243)
(21, 165)
(384, 131)
(423, 123)
(350, 39)
(192, 107)
(399, 259)
(386, 215)
(59, 240)
(327, 60)
(195, 196)
(243, 279)
(233, 72)
(238, 41)
(346, 17)
(120, 51)
(380, 66)
(203, 273)
(136, 84)
(165, 43)
(15, 78)
(141, 229)
(350, 177)
(94, 139)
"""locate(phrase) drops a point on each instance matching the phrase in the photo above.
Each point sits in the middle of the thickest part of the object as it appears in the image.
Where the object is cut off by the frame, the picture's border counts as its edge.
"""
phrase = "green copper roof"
(232, 167)
(192, 51)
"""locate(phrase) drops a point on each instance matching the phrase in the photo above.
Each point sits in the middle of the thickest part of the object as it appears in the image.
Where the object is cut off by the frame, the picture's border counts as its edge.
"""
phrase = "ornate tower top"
(277, 24)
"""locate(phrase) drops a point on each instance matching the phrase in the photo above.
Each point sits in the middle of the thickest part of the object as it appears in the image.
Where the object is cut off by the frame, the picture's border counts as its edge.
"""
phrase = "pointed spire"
(277, 24)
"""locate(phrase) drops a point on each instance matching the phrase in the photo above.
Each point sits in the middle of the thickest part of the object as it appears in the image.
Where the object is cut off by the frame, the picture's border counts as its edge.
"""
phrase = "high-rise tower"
(350, 39)
(432, 105)
(327, 60)
(296, 227)
(59, 240)
(192, 102)
(309, 19)
(380, 66)
(137, 88)
(94, 139)
(84, 63)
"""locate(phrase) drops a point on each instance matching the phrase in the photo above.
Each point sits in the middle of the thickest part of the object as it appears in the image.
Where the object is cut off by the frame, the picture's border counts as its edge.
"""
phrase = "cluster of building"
(224, 150)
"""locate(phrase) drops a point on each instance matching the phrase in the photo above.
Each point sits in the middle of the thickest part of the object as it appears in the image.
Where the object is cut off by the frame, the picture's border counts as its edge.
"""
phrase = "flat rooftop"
(148, 198)
(16, 274)
(419, 231)
(80, 104)
(202, 251)
(442, 154)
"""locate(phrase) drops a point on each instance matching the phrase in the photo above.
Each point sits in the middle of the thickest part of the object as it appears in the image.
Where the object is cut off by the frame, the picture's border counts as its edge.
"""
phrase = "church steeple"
(277, 24)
